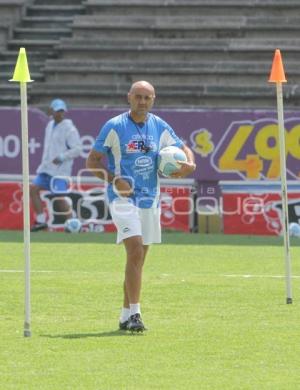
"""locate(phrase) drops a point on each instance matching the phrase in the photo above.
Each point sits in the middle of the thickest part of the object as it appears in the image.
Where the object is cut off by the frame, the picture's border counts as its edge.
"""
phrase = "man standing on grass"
(131, 141)
(62, 145)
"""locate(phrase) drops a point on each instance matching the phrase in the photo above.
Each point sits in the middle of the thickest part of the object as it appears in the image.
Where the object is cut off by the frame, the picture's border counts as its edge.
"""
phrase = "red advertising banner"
(89, 204)
(177, 208)
(257, 209)
(11, 208)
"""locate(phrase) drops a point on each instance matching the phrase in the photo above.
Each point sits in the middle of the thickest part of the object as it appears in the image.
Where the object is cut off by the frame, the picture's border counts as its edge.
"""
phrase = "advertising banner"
(228, 144)
(257, 209)
(89, 205)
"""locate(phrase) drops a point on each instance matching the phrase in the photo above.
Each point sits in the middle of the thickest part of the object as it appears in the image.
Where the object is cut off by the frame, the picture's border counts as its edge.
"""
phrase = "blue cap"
(58, 104)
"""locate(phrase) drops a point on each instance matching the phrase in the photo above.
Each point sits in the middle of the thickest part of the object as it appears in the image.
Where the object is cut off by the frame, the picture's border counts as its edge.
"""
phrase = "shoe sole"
(137, 330)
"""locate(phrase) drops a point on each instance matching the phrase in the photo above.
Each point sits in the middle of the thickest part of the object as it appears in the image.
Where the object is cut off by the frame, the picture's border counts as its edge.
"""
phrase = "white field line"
(246, 276)
(7, 271)
(21, 271)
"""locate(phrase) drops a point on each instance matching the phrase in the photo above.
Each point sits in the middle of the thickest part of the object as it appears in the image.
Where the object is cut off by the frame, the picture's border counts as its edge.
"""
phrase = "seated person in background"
(61, 145)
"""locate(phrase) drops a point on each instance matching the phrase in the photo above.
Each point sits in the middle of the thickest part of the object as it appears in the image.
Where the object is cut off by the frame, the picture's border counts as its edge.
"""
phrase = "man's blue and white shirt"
(122, 140)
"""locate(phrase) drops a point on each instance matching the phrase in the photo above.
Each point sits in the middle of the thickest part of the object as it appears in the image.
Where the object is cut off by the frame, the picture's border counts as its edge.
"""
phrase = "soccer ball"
(294, 229)
(73, 225)
(167, 160)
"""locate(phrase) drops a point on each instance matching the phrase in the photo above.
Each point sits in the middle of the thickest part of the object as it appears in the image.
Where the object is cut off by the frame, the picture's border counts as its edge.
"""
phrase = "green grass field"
(214, 306)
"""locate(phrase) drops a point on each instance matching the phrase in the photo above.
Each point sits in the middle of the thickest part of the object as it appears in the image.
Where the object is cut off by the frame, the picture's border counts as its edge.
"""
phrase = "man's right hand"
(122, 187)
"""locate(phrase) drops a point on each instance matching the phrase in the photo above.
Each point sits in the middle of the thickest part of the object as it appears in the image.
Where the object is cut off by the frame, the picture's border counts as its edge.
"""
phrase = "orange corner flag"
(277, 72)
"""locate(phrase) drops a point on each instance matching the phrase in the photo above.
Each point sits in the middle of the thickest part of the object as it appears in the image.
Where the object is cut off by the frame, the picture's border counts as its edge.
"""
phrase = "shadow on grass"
(72, 336)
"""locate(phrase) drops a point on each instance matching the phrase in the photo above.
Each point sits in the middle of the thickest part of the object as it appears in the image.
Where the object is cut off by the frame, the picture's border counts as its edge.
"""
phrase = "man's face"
(141, 100)
(58, 116)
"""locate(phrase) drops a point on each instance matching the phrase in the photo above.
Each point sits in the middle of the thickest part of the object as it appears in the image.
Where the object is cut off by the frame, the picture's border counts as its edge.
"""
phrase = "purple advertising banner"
(228, 144)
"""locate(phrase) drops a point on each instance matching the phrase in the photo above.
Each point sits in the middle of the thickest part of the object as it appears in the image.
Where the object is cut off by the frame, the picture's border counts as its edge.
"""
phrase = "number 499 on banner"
(252, 150)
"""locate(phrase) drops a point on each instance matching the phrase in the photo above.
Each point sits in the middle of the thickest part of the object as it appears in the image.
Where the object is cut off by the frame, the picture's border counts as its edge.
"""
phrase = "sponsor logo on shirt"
(143, 161)
(134, 146)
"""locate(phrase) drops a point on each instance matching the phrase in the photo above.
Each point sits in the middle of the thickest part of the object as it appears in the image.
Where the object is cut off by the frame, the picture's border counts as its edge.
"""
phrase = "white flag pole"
(26, 208)
(21, 75)
(284, 195)
(278, 76)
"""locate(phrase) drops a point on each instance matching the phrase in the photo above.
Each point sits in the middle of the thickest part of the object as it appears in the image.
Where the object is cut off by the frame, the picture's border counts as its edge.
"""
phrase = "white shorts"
(133, 221)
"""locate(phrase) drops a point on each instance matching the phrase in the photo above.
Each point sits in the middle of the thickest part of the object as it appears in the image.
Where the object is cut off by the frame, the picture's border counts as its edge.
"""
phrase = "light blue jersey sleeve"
(168, 136)
(104, 141)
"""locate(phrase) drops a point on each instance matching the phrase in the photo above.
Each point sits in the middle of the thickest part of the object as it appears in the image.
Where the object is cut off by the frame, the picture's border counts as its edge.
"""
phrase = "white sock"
(41, 218)
(125, 313)
(135, 308)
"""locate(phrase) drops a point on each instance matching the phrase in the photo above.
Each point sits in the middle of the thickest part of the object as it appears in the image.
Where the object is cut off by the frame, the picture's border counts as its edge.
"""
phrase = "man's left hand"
(186, 169)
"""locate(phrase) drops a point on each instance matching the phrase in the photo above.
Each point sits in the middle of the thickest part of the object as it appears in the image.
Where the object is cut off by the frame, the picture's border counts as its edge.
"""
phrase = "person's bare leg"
(134, 265)
(126, 298)
(36, 199)
(136, 253)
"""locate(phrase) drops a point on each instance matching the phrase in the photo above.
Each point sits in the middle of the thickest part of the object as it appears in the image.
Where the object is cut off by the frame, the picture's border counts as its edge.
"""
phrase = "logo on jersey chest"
(134, 146)
(143, 162)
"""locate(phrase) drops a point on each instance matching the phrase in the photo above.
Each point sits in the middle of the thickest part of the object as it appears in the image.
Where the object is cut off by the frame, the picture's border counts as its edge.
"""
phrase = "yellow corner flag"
(21, 73)
(22, 76)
